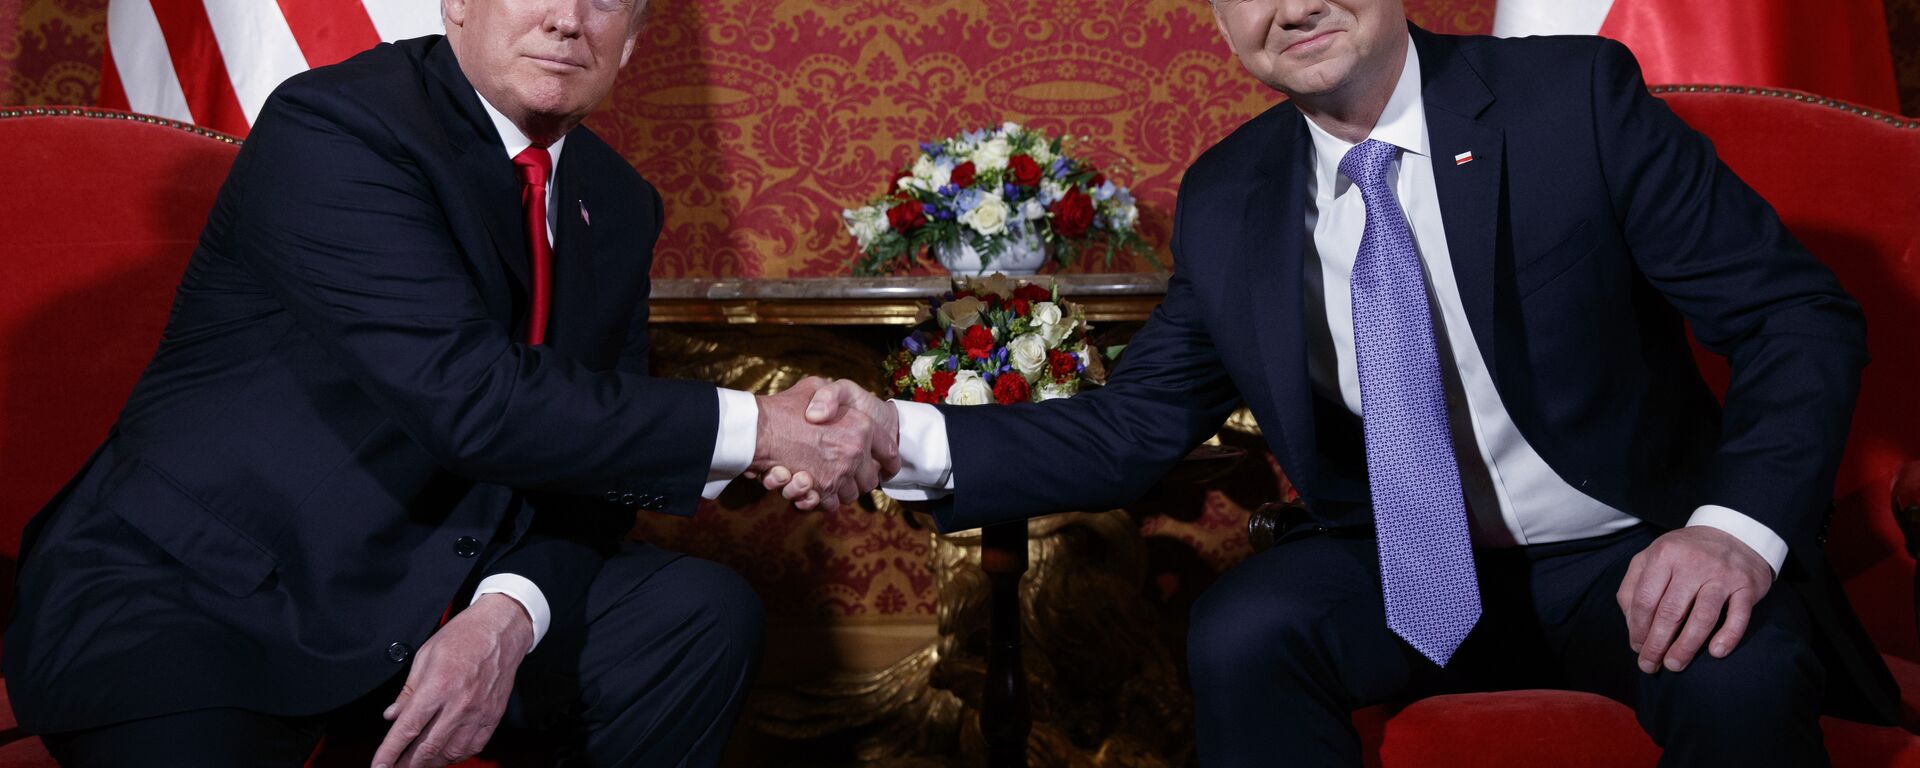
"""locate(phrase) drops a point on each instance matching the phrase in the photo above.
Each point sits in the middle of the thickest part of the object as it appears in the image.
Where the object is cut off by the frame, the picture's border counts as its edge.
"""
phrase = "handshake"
(823, 444)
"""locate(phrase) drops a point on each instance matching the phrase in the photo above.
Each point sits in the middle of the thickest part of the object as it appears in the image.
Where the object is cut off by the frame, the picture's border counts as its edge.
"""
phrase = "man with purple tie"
(1476, 373)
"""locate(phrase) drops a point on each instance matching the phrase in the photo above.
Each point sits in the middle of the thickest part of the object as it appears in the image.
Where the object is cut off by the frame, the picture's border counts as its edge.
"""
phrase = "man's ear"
(454, 12)
(1218, 23)
(626, 49)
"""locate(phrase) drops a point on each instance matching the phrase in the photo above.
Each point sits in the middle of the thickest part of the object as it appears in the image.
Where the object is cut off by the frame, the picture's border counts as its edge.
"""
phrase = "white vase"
(1024, 254)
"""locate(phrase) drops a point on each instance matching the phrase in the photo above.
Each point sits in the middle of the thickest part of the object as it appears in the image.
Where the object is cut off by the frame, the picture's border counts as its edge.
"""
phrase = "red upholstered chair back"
(1847, 184)
(98, 216)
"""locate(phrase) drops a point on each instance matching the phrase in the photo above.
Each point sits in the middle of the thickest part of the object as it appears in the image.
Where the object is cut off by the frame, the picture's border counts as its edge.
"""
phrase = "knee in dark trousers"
(1759, 706)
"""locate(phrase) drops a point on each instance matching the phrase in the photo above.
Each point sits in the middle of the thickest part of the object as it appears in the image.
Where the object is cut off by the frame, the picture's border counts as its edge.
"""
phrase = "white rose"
(989, 217)
(942, 175)
(969, 389)
(923, 168)
(1043, 154)
(1009, 128)
(1032, 210)
(1126, 216)
(1045, 314)
(866, 224)
(1029, 355)
(923, 369)
(1054, 326)
(994, 154)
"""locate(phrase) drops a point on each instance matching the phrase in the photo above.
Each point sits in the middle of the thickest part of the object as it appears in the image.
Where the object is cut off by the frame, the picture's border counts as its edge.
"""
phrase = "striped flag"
(1835, 48)
(213, 62)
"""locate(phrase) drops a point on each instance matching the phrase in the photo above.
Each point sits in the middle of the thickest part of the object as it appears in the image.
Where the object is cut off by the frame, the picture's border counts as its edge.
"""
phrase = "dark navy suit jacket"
(339, 431)
(1591, 228)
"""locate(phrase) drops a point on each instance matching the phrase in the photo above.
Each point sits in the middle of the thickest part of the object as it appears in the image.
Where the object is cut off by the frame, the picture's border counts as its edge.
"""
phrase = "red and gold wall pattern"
(760, 119)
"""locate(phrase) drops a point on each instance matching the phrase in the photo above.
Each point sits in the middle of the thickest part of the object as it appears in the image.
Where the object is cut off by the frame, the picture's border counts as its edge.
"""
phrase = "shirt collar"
(516, 141)
(1403, 124)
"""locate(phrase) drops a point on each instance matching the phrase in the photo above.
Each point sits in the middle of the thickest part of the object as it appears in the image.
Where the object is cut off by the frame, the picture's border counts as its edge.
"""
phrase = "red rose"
(1072, 213)
(907, 216)
(1063, 365)
(1033, 293)
(1010, 388)
(978, 341)
(942, 381)
(1097, 180)
(1022, 307)
(925, 396)
(1022, 170)
(963, 174)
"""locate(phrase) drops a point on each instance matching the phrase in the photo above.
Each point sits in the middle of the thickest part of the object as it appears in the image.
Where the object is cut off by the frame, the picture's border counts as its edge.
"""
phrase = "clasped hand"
(822, 444)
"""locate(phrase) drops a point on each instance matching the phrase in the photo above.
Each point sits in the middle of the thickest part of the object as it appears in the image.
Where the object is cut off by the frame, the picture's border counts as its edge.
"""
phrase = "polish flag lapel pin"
(583, 213)
(1463, 158)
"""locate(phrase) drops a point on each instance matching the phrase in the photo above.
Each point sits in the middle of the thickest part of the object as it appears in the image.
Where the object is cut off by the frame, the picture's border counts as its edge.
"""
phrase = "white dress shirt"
(732, 448)
(1515, 498)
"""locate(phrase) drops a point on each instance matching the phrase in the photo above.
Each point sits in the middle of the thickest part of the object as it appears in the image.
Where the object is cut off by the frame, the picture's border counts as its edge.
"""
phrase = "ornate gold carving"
(1103, 681)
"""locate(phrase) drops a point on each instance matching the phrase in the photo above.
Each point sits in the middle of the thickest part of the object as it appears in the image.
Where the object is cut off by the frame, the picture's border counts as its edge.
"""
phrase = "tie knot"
(1367, 163)
(535, 165)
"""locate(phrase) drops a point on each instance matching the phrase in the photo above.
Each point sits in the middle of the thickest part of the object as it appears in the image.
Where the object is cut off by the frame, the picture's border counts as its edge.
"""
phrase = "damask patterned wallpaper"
(760, 119)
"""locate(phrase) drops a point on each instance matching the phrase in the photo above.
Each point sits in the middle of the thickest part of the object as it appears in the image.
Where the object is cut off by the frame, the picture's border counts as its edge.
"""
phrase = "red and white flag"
(213, 62)
(1835, 48)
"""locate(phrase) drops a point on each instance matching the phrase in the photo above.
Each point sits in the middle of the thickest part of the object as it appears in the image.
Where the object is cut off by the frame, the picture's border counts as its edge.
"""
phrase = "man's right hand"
(820, 454)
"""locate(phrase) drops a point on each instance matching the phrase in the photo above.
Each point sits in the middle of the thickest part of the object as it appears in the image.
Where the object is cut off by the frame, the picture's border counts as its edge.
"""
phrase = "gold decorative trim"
(114, 114)
(868, 312)
(1896, 121)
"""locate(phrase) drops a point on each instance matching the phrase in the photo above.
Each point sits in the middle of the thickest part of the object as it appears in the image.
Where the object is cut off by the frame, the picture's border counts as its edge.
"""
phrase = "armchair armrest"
(1906, 504)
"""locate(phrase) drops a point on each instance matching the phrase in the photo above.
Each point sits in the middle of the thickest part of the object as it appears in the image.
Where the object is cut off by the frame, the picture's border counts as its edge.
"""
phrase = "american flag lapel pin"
(1463, 158)
(583, 213)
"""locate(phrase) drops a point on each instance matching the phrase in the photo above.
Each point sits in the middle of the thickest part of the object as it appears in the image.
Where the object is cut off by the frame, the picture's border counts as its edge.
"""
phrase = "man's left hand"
(458, 687)
(1676, 589)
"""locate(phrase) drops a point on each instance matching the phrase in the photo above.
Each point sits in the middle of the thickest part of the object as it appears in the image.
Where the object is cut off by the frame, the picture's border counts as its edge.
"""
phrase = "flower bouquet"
(994, 340)
(1006, 198)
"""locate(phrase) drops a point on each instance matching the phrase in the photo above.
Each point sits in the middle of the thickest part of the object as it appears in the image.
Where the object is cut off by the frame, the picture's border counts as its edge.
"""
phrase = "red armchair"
(1843, 180)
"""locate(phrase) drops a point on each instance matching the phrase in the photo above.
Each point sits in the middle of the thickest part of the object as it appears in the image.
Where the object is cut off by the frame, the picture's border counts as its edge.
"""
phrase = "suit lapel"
(492, 189)
(1273, 234)
(572, 329)
(1470, 192)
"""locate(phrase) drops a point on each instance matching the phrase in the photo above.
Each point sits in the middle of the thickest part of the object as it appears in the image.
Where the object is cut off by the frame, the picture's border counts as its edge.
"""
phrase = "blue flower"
(953, 361)
(1060, 166)
(1105, 191)
(947, 191)
(1011, 190)
(913, 345)
(968, 199)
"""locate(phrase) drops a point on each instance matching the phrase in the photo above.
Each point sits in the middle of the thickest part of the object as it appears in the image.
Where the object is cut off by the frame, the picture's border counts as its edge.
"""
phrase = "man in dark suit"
(1449, 276)
(407, 364)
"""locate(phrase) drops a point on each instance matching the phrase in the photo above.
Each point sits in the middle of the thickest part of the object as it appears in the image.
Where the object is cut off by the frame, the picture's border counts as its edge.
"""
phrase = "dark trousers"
(653, 674)
(1289, 643)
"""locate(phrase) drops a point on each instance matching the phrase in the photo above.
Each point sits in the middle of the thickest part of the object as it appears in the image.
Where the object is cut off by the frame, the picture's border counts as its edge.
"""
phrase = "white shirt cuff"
(734, 445)
(523, 592)
(1749, 531)
(926, 461)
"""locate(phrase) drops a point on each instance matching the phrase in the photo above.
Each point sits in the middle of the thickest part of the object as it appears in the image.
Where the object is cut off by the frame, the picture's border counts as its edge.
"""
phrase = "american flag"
(213, 62)
(1835, 48)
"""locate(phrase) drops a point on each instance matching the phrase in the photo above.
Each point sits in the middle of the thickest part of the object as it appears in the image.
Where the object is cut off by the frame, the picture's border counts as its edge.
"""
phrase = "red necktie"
(535, 165)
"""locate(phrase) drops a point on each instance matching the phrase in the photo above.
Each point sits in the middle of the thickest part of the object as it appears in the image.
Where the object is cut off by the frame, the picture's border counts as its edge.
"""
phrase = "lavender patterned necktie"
(1426, 554)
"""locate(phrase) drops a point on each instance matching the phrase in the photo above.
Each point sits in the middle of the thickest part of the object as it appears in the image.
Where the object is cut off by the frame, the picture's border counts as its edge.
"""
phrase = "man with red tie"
(385, 457)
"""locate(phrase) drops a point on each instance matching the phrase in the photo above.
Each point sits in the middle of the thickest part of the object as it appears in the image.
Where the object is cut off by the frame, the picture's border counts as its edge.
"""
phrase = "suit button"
(466, 546)
(659, 502)
(613, 497)
(398, 653)
(629, 499)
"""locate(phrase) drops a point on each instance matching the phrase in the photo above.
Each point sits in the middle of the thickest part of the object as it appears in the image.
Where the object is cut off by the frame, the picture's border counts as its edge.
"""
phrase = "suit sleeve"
(1794, 340)
(1103, 448)
(342, 226)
